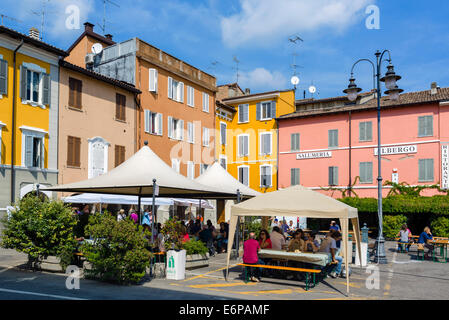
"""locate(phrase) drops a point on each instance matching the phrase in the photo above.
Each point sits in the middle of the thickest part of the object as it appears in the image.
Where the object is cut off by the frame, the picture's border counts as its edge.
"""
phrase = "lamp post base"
(380, 256)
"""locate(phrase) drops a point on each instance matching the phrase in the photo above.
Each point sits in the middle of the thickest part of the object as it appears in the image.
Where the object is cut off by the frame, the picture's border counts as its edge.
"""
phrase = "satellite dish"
(294, 80)
(312, 89)
(97, 48)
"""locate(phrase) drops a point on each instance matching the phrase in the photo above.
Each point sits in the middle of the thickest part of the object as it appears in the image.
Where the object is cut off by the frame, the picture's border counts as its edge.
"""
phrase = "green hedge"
(400, 204)
(440, 227)
(194, 247)
(392, 225)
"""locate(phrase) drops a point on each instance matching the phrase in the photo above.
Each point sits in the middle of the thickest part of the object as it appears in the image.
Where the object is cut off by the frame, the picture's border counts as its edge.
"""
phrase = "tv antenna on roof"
(42, 14)
(103, 26)
(4, 16)
(295, 79)
(237, 68)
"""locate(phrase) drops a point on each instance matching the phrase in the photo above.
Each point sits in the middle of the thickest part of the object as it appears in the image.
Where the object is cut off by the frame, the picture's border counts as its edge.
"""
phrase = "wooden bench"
(310, 273)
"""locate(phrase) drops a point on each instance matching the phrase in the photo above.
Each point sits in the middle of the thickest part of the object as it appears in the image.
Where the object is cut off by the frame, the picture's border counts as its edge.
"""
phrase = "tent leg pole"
(152, 213)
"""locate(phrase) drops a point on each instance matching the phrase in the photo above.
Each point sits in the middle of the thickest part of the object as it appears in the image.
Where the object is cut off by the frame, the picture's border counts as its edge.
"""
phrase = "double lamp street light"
(393, 91)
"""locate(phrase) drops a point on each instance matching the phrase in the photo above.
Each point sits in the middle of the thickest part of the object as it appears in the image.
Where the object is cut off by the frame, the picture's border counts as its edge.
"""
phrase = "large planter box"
(197, 261)
(51, 263)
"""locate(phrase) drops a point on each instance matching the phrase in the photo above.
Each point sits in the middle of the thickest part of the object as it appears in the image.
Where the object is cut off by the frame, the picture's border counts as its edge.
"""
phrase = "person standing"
(134, 217)
(250, 249)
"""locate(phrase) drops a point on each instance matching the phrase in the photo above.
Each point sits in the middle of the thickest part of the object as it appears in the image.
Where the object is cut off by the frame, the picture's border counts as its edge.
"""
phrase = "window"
(73, 151)
(175, 128)
(175, 90)
(152, 80)
(265, 176)
(119, 155)
(3, 77)
(294, 142)
(333, 176)
(366, 131)
(203, 168)
(333, 138)
(75, 90)
(223, 133)
(175, 164)
(425, 126)
(190, 170)
(244, 175)
(190, 132)
(366, 172)
(205, 102)
(153, 122)
(243, 113)
(34, 84)
(425, 170)
(223, 162)
(294, 176)
(243, 146)
(190, 96)
(120, 107)
(265, 143)
(33, 150)
(206, 137)
(266, 110)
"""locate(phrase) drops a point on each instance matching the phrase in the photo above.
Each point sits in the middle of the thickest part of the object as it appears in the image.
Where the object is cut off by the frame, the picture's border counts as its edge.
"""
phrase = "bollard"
(365, 230)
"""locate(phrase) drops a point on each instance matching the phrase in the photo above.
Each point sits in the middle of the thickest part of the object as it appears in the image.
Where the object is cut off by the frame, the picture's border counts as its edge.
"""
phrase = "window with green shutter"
(425, 126)
(333, 176)
(366, 172)
(294, 176)
(425, 170)
(294, 142)
(3, 76)
(366, 131)
(333, 138)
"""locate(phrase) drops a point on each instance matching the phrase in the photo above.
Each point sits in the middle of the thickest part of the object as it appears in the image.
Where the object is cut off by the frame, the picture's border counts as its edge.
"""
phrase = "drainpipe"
(13, 130)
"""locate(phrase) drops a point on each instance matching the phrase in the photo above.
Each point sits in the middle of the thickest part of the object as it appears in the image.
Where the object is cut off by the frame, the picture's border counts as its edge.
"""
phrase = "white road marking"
(5, 269)
(40, 294)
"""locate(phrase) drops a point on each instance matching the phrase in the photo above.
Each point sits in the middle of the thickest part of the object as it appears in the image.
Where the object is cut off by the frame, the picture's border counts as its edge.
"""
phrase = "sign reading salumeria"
(445, 166)
(314, 155)
(397, 149)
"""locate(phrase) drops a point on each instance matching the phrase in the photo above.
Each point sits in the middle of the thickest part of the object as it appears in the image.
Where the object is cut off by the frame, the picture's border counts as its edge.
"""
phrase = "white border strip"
(40, 294)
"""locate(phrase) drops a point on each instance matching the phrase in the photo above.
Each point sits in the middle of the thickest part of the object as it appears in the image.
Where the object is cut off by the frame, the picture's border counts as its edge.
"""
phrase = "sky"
(213, 34)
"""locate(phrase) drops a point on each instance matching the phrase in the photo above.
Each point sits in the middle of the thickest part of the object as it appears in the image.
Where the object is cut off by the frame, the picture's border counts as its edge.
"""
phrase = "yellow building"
(247, 138)
(29, 73)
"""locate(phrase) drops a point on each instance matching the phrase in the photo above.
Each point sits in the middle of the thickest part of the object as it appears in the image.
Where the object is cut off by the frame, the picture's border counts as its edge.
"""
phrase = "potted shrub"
(197, 254)
(176, 255)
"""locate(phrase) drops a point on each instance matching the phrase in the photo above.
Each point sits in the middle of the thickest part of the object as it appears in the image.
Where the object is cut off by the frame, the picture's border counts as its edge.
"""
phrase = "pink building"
(330, 142)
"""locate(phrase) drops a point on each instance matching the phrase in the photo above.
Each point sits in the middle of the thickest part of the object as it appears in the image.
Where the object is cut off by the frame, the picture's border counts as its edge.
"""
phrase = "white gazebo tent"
(216, 175)
(302, 202)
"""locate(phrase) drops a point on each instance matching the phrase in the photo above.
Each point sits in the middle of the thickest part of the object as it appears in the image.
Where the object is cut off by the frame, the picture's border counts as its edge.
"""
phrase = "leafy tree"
(440, 227)
(118, 252)
(41, 228)
(172, 233)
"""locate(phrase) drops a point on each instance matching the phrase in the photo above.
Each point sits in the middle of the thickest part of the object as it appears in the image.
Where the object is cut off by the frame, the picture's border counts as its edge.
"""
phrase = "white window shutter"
(170, 126)
(28, 151)
(152, 80)
(170, 87)
(159, 124)
(147, 120)
(155, 80)
(181, 124)
(181, 92)
(193, 96)
(23, 82)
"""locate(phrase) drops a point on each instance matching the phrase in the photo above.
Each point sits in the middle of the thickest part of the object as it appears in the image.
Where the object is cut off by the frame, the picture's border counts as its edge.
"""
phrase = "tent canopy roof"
(135, 177)
(294, 201)
(217, 176)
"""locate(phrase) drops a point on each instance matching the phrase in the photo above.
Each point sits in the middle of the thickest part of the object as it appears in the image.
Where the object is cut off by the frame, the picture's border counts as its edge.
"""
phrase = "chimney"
(34, 33)
(88, 26)
(433, 88)
(108, 36)
(247, 91)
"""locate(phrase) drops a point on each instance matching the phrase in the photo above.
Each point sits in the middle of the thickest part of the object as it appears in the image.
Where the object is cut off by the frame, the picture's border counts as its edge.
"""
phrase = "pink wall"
(399, 126)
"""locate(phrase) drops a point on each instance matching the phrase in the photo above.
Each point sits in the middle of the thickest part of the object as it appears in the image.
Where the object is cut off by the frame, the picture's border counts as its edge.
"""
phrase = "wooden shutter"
(170, 126)
(181, 124)
(46, 89)
(77, 152)
(70, 151)
(258, 111)
(23, 82)
(73, 151)
(159, 124)
(362, 131)
(120, 109)
(119, 155)
(3, 77)
(241, 113)
(170, 88)
(369, 131)
(273, 109)
(429, 125)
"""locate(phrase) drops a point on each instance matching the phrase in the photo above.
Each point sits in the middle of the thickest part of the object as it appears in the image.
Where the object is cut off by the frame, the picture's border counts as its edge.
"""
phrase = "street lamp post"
(393, 91)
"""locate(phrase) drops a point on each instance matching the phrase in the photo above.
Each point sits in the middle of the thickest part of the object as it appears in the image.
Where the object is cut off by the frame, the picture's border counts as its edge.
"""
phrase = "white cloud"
(262, 79)
(261, 21)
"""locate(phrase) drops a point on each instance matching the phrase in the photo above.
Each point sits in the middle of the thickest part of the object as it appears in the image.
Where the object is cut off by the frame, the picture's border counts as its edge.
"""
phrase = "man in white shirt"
(277, 239)
(329, 246)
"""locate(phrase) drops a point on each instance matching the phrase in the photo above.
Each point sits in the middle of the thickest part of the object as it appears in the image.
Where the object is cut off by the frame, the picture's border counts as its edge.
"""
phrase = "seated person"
(297, 243)
(250, 249)
(312, 244)
(404, 237)
(277, 239)
(264, 240)
(329, 246)
(425, 238)
(207, 238)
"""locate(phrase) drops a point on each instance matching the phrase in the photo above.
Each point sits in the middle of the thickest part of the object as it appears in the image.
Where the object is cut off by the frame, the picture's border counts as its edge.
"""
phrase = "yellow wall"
(25, 114)
(285, 103)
